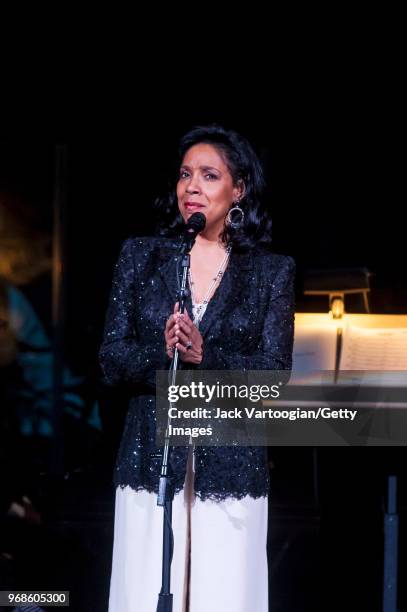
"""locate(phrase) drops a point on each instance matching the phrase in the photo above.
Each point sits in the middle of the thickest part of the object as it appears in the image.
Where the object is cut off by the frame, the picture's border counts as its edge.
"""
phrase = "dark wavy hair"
(243, 165)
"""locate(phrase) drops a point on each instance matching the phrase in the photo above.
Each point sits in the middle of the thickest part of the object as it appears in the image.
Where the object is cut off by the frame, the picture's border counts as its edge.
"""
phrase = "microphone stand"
(165, 487)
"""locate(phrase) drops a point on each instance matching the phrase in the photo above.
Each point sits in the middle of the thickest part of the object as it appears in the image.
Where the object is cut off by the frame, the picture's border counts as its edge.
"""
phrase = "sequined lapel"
(235, 278)
(168, 272)
(171, 273)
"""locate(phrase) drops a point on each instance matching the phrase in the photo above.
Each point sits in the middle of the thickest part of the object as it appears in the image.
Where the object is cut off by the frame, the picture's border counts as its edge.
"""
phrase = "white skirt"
(219, 562)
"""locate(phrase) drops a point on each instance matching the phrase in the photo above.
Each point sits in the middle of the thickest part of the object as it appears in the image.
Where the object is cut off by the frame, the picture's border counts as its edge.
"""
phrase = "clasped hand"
(181, 333)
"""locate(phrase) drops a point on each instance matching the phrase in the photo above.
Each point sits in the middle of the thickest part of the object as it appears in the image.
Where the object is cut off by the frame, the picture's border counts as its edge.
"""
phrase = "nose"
(193, 184)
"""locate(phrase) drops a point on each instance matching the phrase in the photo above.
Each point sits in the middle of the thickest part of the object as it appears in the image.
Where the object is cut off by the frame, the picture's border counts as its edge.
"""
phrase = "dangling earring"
(239, 217)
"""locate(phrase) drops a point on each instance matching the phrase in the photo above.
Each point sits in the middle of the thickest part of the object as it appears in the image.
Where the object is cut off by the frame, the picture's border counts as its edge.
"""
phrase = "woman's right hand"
(171, 338)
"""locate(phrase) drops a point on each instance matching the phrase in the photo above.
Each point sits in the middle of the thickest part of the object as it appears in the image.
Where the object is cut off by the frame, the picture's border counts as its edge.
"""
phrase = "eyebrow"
(202, 168)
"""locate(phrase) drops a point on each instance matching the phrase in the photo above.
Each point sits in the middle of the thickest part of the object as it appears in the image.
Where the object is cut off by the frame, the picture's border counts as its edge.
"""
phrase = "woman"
(240, 317)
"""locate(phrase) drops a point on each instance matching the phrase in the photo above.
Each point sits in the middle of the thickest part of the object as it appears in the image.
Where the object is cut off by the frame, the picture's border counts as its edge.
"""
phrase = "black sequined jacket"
(248, 324)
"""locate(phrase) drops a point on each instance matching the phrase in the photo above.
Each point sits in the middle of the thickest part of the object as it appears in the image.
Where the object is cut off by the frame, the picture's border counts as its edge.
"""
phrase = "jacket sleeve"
(275, 349)
(123, 358)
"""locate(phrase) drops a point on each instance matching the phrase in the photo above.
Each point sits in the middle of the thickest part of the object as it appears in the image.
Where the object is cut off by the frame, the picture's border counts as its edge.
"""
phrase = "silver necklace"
(199, 311)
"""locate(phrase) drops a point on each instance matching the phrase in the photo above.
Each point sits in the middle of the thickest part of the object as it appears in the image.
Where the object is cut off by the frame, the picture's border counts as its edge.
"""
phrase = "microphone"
(196, 223)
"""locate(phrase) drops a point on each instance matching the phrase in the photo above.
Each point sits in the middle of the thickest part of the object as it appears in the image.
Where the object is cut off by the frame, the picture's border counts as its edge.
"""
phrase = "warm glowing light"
(337, 307)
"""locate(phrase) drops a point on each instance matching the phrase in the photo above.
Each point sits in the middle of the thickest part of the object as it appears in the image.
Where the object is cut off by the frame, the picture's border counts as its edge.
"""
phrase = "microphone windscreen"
(196, 222)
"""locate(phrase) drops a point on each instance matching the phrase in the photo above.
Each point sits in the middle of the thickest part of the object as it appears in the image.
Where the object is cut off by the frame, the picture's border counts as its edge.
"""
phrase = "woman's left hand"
(190, 342)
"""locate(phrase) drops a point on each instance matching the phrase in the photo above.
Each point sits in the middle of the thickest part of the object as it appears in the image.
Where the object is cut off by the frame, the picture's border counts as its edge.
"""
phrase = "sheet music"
(374, 349)
(379, 353)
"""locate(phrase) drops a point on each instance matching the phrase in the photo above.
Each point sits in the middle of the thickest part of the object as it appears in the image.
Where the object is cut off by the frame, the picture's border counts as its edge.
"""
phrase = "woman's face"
(206, 185)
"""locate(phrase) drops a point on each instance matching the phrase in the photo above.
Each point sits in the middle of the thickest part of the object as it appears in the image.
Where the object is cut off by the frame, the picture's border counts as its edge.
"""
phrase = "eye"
(183, 174)
(210, 176)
